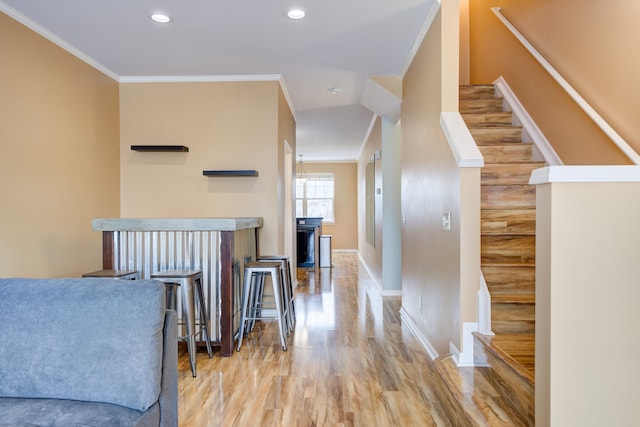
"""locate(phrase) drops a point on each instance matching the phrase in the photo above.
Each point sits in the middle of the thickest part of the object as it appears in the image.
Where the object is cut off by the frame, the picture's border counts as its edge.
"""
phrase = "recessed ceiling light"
(334, 90)
(296, 14)
(161, 18)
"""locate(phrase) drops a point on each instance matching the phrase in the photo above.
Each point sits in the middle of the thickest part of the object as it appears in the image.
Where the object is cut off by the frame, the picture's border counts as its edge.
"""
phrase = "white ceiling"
(339, 44)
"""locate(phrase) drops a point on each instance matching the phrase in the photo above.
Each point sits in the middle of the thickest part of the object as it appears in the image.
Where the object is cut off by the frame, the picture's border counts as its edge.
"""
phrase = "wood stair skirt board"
(499, 390)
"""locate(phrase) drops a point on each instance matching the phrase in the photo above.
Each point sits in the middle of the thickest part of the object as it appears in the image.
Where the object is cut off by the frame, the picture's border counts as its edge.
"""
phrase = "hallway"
(350, 362)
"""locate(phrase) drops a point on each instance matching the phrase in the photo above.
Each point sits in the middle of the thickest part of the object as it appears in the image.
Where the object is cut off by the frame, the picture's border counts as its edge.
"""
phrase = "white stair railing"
(582, 103)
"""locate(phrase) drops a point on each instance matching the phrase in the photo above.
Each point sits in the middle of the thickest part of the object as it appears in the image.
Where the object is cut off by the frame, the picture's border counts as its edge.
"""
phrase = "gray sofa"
(87, 352)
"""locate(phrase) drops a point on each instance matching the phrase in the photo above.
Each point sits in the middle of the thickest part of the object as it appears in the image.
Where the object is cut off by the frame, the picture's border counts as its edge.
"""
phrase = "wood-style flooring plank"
(350, 362)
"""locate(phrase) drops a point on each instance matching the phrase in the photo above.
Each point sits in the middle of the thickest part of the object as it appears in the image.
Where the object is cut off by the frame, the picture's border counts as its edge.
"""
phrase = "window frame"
(315, 176)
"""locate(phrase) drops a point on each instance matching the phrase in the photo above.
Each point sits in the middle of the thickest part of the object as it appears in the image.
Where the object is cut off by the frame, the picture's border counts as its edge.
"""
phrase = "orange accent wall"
(59, 166)
(592, 45)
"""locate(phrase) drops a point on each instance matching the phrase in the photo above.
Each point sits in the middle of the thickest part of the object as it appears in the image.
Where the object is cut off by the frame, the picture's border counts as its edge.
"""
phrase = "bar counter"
(217, 246)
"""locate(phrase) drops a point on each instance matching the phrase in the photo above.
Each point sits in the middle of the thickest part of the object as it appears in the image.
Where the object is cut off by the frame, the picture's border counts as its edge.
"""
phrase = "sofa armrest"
(169, 388)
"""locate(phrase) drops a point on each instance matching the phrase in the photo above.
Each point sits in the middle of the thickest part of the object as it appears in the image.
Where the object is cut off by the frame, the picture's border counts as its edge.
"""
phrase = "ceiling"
(339, 44)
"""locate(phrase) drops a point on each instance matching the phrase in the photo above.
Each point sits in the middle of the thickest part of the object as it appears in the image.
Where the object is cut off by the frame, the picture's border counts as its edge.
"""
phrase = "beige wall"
(430, 186)
(587, 297)
(590, 44)
(59, 166)
(226, 125)
(372, 255)
(344, 233)
(286, 144)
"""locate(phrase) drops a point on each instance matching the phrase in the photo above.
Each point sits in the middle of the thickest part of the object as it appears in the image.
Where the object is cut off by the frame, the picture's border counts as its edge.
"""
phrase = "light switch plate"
(446, 221)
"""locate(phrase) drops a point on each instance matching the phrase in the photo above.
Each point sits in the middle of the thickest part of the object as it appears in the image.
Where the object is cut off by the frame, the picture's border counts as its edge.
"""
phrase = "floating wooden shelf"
(230, 173)
(173, 148)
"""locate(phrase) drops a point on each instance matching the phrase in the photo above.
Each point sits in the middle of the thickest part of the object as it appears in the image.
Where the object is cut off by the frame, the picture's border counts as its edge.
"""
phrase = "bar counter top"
(175, 224)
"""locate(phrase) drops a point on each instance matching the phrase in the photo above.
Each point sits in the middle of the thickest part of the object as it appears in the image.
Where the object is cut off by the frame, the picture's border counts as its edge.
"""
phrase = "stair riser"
(480, 105)
(476, 91)
(488, 119)
(508, 196)
(508, 249)
(488, 135)
(510, 279)
(501, 174)
(508, 222)
(507, 153)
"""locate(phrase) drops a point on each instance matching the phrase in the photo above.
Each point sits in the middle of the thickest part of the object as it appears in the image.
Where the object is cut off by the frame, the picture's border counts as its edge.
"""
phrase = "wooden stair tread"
(477, 399)
(516, 343)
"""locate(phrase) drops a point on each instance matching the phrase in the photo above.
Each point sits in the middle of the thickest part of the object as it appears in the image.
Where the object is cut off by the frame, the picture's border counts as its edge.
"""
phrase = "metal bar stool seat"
(252, 309)
(288, 286)
(187, 280)
(114, 274)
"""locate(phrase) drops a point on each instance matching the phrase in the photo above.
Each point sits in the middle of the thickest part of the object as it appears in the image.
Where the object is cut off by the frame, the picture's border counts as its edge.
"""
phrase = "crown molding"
(37, 28)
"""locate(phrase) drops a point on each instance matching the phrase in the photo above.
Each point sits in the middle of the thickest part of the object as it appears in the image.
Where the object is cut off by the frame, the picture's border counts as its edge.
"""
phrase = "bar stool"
(252, 307)
(187, 280)
(114, 274)
(288, 286)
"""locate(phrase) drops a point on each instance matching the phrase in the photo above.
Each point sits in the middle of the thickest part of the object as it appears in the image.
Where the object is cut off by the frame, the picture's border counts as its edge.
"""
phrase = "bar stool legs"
(186, 280)
(288, 287)
(252, 308)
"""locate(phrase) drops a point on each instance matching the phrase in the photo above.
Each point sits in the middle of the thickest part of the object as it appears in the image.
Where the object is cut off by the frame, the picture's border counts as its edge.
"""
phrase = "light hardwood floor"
(350, 362)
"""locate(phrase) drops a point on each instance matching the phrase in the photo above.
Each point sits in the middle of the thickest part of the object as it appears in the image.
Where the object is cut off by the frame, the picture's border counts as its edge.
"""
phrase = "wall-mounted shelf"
(172, 148)
(230, 173)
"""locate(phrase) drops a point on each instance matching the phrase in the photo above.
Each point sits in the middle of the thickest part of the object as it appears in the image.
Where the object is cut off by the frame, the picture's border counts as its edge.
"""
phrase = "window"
(314, 196)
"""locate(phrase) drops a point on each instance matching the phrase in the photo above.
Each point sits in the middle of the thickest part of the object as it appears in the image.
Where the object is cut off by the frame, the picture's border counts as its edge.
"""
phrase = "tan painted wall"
(344, 233)
(372, 255)
(587, 297)
(226, 125)
(430, 186)
(589, 43)
(59, 166)
(286, 141)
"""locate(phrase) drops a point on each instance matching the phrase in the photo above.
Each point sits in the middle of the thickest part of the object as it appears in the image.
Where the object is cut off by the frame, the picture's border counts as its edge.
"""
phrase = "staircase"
(504, 377)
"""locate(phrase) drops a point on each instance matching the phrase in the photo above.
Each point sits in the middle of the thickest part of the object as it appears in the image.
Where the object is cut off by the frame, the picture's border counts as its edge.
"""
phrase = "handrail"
(582, 103)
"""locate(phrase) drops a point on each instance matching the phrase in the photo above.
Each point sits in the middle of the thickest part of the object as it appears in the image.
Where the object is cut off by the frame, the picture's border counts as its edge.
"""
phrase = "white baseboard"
(424, 341)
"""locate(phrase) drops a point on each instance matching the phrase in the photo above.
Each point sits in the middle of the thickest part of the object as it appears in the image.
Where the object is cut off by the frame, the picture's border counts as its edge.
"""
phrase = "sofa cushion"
(71, 413)
(88, 339)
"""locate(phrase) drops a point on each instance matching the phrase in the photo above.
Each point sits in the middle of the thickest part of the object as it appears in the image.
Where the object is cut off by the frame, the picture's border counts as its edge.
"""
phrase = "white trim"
(37, 28)
(464, 148)
(345, 250)
(424, 341)
(381, 290)
(484, 308)
(582, 103)
(215, 78)
(366, 135)
(373, 277)
(285, 91)
(431, 15)
(464, 359)
(592, 174)
(204, 78)
(529, 127)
